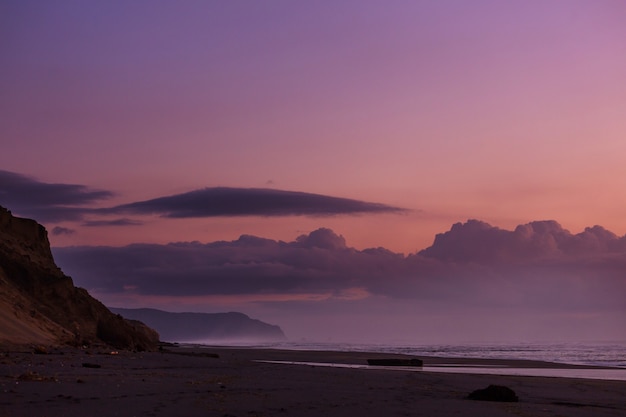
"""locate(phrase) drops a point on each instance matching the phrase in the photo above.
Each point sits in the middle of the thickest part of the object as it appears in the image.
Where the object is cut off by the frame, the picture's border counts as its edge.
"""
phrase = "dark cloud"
(116, 222)
(46, 201)
(538, 281)
(222, 201)
(321, 263)
(62, 231)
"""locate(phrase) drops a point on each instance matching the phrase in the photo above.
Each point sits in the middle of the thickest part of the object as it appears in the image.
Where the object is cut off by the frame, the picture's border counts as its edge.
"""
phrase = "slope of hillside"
(39, 304)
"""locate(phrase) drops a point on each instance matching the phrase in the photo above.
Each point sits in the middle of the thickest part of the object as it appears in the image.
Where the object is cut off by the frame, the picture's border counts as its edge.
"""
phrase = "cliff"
(205, 327)
(40, 305)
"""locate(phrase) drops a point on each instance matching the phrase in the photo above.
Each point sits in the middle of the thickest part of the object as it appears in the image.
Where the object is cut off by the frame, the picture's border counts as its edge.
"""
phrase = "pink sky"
(504, 111)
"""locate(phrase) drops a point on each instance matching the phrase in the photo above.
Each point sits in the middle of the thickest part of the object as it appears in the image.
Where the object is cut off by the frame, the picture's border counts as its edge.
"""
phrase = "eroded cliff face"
(40, 304)
(26, 241)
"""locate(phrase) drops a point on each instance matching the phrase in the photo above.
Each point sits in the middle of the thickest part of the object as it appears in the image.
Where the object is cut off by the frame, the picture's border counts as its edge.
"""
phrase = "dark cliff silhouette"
(39, 304)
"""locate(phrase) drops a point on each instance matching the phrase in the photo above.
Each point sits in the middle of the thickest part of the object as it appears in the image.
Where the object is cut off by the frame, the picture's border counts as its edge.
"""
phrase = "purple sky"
(385, 122)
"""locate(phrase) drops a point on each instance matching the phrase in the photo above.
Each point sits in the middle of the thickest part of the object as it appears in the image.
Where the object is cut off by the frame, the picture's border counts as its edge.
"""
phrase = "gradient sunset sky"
(384, 121)
(503, 111)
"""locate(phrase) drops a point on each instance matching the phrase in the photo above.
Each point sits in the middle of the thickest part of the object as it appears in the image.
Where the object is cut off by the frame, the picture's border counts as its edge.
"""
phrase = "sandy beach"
(232, 382)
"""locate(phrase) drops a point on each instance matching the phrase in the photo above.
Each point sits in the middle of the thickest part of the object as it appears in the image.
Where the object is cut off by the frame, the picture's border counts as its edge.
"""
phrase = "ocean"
(610, 354)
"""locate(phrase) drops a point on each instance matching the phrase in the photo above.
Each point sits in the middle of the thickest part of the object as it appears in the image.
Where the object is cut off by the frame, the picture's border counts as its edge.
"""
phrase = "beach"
(220, 381)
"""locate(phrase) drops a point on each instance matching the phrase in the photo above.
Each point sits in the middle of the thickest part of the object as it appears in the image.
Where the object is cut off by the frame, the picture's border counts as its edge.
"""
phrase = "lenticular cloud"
(223, 201)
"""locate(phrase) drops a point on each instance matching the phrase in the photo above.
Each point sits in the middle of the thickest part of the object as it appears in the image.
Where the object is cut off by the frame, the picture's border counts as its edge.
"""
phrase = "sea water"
(597, 354)
(609, 354)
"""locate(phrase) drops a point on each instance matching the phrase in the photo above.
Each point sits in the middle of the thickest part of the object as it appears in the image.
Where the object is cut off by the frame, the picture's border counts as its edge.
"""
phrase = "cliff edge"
(39, 304)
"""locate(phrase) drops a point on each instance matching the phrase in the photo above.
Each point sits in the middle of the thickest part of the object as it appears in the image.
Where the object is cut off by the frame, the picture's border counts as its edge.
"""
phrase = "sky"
(379, 123)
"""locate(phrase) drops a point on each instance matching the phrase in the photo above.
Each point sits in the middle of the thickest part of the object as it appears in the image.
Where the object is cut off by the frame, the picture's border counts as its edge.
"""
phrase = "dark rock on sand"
(40, 305)
(91, 365)
(498, 393)
(395, 362)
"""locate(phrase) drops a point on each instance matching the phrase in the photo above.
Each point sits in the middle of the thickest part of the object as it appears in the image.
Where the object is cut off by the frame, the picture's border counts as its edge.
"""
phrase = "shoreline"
(606, 374)
(600, 354)
(227, 381)
(353, 356)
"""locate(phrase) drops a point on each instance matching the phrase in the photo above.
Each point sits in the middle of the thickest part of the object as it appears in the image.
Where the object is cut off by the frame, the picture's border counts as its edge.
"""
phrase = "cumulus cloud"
(322, 238)
(479, 242)
(224, 201)
(46, 201)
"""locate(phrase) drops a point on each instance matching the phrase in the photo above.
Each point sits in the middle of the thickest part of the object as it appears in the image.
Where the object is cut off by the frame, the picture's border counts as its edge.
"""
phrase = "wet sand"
(193, 382)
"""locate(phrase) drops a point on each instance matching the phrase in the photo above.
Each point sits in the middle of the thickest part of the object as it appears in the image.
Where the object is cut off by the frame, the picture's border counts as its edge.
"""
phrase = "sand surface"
(192, 382)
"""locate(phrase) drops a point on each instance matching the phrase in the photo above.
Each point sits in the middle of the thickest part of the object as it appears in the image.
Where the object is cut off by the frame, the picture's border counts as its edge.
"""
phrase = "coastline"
(223, 381)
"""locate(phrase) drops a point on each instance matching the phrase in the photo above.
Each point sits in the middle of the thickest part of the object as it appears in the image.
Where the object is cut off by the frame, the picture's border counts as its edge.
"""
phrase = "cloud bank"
(539, 266)
(476, 241)
(476, 282)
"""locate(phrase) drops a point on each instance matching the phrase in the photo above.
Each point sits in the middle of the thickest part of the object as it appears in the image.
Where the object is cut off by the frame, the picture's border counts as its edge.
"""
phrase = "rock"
(91, 365)
(40, 305)
(498, 393)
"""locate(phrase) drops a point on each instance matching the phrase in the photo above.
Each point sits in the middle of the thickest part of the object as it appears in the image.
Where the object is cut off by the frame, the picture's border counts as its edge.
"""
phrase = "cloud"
(322, 238)
(479, 242)
(321, 265)
(116, 222)
(62, 231)
(223, 201)
(46, 202)
(476, 281)
(315, 263)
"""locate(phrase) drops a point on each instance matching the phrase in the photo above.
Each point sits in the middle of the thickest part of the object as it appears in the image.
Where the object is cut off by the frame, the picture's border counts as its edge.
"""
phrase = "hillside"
(204, 327)
(39, 304)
